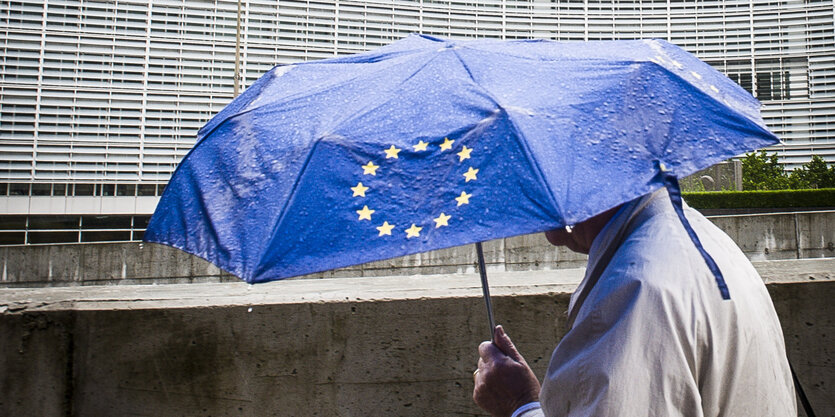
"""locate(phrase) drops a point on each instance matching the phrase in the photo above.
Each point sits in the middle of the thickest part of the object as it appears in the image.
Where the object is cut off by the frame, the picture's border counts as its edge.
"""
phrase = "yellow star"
(413, 231)
(370, 168)
(359, 190)
(470, 174)
(464, 198)
(442, 220)
(391, 152)
(421, 146)
(385, 229)
(365, 213)
(447, 145)
(464, 154)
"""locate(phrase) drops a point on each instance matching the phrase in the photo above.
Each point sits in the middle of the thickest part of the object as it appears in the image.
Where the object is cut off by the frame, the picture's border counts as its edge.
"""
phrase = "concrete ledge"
(399, 346)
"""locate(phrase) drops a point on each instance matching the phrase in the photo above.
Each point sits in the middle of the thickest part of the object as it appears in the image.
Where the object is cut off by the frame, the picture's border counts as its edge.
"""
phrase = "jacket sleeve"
(534, 412)
(631, 351)
(533, 409)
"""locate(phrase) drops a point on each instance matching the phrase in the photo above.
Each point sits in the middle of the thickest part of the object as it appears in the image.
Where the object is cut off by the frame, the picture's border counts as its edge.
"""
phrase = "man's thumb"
(503, 342)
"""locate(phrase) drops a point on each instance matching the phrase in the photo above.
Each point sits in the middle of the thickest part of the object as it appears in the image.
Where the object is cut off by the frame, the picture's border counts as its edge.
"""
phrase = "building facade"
(99, 100)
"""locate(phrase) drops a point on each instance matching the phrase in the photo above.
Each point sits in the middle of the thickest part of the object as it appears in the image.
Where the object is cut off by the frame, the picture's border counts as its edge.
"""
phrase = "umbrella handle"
(485, 289)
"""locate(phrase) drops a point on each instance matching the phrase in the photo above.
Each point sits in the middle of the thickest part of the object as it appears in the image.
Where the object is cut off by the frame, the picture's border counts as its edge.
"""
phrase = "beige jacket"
(650, 334)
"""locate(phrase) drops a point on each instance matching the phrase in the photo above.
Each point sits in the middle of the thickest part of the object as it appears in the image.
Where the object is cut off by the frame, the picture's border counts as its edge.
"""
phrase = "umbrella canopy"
(430, 143)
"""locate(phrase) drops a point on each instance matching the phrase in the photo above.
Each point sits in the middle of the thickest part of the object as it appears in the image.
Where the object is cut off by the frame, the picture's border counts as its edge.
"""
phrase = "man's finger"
(504, 344)
(489, 352)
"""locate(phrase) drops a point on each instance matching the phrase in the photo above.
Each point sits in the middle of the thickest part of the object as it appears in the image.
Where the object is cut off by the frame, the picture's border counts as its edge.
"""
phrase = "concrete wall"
(761, 236)
(103, 263)
(400, 346)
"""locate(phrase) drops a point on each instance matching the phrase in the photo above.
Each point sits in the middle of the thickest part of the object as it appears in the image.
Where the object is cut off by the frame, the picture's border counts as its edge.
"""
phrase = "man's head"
(582, 235)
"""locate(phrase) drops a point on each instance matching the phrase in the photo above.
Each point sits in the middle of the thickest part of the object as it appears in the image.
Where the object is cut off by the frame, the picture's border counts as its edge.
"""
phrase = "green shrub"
(761, 171)
(761, 199)
(814, 174)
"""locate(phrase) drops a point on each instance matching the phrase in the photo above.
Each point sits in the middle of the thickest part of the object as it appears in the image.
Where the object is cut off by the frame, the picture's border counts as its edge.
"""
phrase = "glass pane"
(764, 86)
(141, 222)
(746, 82)
(4, 188)
(41, 189)
(59, 189)
(105, 236)
(53, 222)
(53, 237)
(126, 189)
(12, 238)
(83, 189)
(146, 189)
(105, 222)
(108, 189)
(18, 189)
(13, 222)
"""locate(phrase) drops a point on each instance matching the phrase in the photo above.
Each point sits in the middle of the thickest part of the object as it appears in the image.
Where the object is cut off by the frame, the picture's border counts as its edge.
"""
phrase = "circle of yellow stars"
(414, 230)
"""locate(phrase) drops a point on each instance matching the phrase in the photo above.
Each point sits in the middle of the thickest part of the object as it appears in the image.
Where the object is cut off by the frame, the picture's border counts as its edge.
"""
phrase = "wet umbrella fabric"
(430, 143)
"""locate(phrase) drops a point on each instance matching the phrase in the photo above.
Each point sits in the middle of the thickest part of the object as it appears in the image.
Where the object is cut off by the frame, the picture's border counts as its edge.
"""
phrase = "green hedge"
(761, 199)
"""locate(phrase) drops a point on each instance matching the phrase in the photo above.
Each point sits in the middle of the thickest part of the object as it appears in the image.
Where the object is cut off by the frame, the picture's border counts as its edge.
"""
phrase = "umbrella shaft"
(485, 288)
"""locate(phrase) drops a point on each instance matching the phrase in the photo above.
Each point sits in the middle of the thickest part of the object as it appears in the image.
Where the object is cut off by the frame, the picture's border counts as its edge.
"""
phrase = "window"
(19, 189)
(773, 86)
(126, 189)
(19, 230)
(744, 80)
(84, 189)
(41, 189)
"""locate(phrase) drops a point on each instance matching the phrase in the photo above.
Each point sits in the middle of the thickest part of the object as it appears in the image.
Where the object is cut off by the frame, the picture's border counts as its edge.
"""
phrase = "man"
(650, 334)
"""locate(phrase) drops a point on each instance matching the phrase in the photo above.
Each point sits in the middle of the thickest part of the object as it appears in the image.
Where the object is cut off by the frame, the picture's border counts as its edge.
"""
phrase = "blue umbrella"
(429, 143)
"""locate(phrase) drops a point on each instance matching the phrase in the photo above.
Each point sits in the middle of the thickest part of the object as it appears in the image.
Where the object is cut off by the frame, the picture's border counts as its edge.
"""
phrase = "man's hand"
(503, 381)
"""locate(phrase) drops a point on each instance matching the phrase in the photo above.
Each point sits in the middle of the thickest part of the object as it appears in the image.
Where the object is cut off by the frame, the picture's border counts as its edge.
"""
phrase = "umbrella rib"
(295, 97)
(283, 212)
(760, 127)
(369, 107)
(522, 143)
(763, 130)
